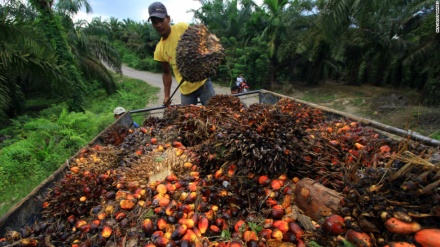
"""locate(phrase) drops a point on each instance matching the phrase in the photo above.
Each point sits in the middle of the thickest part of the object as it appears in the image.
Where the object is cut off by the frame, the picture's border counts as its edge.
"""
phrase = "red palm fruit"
(220, 222)
(300, 243)
(150, 245)
(170, 187)
(277, 212)
(179, 232)
(161, 241)
(289, 237)
(192, 186)
(268, 223)
(271, 202)
(181, 184)
(231, 170)
(158, 210)
(275, 184)
(161, 189)
(119, 216)
(334, 224)
(45, 204)
(265, 233)
(287, 190)
(277, 234)
(296, 229)
(153, 140)
(203, 224)
(235, 243)
(171, 178)
(71, 219)
(281, 225)
(95, 224)
(358, 238)
(106, 231)
(186, 208)
(263, 180)
(156, 234)
(177, 144)
(214, 229)
(240, 226)
(195, 218)
(189, 223)
(191, 197)
(250, 235)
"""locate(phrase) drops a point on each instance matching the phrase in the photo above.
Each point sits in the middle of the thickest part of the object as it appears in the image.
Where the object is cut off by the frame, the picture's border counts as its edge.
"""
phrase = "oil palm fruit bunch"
(199, 53)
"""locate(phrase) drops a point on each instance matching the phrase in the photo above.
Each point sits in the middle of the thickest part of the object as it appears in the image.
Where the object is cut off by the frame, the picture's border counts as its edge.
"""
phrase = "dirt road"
(155, 79)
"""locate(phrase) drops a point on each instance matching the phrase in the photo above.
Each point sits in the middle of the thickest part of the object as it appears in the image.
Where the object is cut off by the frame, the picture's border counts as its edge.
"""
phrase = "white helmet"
(119, 110)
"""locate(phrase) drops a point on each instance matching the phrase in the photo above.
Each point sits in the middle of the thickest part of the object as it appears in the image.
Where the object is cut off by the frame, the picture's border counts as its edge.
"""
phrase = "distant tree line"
(379, 42)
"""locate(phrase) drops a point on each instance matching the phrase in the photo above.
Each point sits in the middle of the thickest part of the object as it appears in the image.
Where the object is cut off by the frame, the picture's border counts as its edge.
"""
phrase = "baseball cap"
(157, 9)
(119, 110)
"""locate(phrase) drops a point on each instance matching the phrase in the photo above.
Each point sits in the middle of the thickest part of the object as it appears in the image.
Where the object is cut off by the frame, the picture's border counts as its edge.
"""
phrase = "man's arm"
(167, 80)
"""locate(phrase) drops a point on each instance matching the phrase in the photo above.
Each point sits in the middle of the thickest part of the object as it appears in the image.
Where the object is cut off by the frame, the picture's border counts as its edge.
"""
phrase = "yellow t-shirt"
(166, 52)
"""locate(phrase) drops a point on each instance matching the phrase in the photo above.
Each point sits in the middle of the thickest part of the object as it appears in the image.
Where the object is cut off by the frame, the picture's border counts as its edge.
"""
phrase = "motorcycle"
(243, 88)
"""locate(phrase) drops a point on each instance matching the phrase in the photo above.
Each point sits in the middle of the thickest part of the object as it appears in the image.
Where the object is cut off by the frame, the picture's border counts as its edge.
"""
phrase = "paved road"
(155, 79)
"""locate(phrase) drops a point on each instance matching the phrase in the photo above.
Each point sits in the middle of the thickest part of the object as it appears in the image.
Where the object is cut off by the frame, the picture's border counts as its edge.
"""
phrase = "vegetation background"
(57, 92)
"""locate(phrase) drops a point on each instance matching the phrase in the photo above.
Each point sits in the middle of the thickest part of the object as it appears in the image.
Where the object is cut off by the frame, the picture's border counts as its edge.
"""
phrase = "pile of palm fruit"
(237, 177)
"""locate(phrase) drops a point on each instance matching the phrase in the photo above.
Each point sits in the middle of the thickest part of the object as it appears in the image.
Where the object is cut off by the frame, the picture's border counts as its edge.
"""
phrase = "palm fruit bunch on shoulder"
(198, 54)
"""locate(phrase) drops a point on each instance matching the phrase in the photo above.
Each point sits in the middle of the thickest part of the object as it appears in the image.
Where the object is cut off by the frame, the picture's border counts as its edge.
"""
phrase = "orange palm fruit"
(281, 225)
(164, 202)
(119, 216)
(161, 189)
(218, 174)
(192, 186)
(161, 224)
(277, 234)
(429, 237)
(106, 231)
(400, 244)
(358, 238)
(179, 152)
(177, 144)
(153, 140)
(74, 169)
(397, 226)
(203, 224)
(127, 204)
(235, 243)
(275, 184)
(189, 223)
(215, 229)
(263, 180)
(271, 202)
(189, 236)
(250, 235)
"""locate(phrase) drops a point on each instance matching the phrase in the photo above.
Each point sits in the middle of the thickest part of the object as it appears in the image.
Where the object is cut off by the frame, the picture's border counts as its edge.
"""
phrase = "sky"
(137, 10)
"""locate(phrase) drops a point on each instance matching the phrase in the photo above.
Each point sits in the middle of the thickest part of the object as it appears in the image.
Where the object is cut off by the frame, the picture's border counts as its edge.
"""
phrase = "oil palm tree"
(26, 61)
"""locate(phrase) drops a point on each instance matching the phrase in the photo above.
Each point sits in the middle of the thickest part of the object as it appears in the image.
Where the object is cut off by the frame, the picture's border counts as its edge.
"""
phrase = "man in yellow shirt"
(166, 54)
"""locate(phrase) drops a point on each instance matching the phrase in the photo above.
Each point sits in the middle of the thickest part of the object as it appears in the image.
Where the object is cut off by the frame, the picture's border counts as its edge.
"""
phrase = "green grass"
(318, 97)
(36, 146)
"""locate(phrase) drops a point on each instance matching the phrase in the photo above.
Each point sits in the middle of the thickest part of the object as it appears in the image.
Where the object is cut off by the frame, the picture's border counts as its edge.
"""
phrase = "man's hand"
(166, 101)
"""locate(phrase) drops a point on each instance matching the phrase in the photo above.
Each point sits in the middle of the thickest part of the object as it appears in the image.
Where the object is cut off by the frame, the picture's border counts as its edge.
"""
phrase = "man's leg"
(206, 92)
